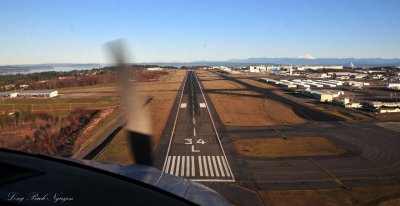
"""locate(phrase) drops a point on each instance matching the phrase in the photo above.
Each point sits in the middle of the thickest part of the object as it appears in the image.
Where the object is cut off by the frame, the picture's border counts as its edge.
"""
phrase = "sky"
(47, 31)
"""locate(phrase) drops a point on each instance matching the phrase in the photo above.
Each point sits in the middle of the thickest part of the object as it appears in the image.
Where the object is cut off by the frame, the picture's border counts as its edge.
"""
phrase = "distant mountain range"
(287, 61)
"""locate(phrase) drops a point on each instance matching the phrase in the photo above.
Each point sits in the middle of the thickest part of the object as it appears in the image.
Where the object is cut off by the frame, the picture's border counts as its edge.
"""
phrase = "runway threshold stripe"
(220, 167)
(215, 166)
(225, 166)
(193, 168)
(172, 166)
(200, 166)
(205, 166)
(177, 166)
(168, 162)
(187, 166)
(183, 167)
(210, 166)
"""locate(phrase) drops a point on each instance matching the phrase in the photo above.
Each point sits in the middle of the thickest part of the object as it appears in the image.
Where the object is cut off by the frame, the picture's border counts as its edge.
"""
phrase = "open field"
(382, 195)
(251, 111)
(90, 97)
(214, 81)
(237, 106)
(221, 84)
(288, 147)
(162, 95)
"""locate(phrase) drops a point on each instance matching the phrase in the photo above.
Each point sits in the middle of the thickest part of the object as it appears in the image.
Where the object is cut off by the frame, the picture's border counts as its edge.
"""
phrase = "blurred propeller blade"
(138, 124)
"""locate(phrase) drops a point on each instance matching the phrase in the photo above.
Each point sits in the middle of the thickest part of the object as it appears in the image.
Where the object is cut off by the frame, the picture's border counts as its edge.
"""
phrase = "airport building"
(8, 94)
(395, 86)
(320, 96)
(38, 93)
(155, 69)
(388, 109)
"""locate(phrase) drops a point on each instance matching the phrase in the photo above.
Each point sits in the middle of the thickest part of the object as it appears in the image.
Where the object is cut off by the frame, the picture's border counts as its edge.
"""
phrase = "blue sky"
(39, 31)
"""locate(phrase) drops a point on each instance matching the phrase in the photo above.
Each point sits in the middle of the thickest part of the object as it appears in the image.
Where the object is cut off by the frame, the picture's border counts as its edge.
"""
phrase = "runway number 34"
(190, 141)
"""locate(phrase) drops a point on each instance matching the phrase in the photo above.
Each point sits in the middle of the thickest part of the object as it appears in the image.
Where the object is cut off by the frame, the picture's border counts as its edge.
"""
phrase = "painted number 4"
(200, 141)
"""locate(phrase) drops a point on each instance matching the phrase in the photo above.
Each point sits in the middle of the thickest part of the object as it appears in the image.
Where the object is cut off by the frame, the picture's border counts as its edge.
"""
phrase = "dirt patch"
(384, 195)
(236, 110)
(288, 147)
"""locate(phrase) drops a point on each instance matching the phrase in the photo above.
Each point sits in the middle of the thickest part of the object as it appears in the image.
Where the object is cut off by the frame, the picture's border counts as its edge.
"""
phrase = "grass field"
(289, 147)
(382, 196)
(117, 151)
(163, 94)
(70, 99)
(242, 110)
(237, 106)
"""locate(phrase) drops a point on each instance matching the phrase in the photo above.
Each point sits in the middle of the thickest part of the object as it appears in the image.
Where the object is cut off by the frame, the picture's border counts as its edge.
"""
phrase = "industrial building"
(38, 93)
(8, 94)
(395, 86)
(318, 75)
(388, 109)
(155, 69)
(258, 69)
(302, 68)
(376, 104)
(320, 96)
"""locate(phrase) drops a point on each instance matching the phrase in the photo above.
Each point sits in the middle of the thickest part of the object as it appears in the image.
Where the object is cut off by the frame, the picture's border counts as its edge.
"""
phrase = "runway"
(194, 149)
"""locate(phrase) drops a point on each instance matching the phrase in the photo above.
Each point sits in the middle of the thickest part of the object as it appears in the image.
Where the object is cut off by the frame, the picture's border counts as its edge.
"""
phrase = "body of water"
(25, 69)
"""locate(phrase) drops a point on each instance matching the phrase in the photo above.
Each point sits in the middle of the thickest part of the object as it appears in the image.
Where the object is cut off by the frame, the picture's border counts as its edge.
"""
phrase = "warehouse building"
(38, 93)
(388, 109)
(395, 86)
(323, 96)
(155, 69)
(8, 94)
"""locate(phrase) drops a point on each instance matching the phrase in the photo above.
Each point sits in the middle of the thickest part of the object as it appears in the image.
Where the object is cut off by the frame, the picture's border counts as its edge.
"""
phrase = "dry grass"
(252, 111)
(163, 94)
(383, 195)
(221, 84)
(290, 147)
(117, 151)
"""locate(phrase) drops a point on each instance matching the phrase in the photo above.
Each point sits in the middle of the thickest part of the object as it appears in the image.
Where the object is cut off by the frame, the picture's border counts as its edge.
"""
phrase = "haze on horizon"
(47, 31)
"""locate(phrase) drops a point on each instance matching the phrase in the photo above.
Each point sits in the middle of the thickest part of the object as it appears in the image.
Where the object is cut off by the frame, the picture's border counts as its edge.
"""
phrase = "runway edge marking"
(215, 129)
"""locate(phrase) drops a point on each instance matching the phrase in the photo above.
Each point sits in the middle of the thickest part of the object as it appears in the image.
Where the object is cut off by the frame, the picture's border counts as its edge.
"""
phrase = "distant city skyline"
(43, 31)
